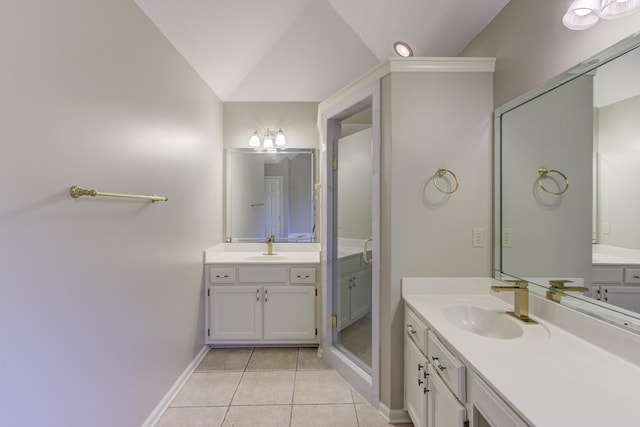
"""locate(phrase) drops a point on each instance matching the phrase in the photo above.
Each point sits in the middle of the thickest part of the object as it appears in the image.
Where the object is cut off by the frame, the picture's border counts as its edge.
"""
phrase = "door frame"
(368, 385)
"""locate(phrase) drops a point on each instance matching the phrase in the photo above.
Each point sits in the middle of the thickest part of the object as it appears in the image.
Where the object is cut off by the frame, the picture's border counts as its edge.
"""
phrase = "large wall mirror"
(270, 194)
(567, 180)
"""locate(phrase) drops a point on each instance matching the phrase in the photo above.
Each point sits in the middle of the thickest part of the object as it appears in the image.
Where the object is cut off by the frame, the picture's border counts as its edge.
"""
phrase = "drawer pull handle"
(410, 329)
(222, 276)
(265, 296)
(436, 363)
(303, 276)
(257, 294)
(636, 276)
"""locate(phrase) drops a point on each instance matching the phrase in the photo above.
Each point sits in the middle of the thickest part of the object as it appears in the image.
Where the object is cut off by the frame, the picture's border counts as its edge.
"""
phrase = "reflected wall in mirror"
(585, 125)
(269, 194)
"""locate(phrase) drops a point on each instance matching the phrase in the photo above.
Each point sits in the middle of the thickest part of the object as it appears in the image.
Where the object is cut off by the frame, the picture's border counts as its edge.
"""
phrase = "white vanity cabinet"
(618, 285)
(250, 304)
(416, 385)
(355, 290)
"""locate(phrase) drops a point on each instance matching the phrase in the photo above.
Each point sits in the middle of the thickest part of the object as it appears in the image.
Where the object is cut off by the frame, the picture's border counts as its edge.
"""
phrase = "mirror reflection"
(269, 194)
(584, 129)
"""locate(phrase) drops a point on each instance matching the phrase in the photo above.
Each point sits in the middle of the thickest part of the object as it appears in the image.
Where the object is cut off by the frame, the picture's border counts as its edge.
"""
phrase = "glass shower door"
(352, 273)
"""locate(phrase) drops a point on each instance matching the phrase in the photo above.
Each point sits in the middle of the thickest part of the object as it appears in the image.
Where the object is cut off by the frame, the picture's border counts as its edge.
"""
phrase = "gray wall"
(531, 44)
(430, 120)
(101, 305)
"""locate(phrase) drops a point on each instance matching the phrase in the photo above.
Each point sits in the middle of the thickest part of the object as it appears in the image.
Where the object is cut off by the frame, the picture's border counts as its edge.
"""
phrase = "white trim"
(394, 416)
(162, 406)
(411, 65)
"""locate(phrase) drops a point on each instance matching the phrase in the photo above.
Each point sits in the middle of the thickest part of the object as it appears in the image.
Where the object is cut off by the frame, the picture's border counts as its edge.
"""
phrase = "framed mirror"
(566, 186)
(270, 194)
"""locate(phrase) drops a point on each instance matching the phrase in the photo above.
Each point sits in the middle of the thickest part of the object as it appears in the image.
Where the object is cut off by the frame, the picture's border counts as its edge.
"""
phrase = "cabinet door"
(289, 313)
(235, 313)
(622, 296)
(344, 302)
(443, 408)
(360, 294)
(415, 383)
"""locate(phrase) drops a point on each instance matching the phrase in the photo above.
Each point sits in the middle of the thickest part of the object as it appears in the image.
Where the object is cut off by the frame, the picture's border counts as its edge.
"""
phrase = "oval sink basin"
(480, 321)
(265, 257)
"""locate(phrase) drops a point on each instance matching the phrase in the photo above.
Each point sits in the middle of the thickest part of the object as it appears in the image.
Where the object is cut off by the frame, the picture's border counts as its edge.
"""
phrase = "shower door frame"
(368, 385)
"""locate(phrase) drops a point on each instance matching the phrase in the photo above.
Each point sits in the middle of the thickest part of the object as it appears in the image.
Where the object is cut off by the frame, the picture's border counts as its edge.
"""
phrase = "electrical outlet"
(507, 235)
(477, 240)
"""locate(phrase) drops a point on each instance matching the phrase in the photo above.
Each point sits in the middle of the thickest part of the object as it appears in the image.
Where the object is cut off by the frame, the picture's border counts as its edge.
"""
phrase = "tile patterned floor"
(356, 338)
(268, 387)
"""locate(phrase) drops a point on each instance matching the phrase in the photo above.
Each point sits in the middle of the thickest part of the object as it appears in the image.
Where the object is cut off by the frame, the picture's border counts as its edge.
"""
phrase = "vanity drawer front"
(607, 275)
(302, 275)
(451, 370)
(415, 329)
(222, 275)
(262, 275)
(632, 275)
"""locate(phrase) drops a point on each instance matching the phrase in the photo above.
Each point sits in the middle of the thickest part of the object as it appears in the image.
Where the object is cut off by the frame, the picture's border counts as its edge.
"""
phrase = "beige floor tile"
(258, 416)
(193, 417)
(369, 417)
(264, 359)
(357, 397)
(208, 389)
(308, 359)
(324, 415)
(265, 388)
(225, 359)
(322, 386)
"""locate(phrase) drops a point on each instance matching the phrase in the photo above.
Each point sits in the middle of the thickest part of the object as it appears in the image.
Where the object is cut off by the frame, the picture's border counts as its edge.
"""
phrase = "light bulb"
(280, 139)
(268, 142)
(619, 8)
(254, 141)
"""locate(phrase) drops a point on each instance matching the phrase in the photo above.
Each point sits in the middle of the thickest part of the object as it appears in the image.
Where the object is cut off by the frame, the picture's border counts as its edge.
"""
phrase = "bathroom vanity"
(252, 298)
(469, 363)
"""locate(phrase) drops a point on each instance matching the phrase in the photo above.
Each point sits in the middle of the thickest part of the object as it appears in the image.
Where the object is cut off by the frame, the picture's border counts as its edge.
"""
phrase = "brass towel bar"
(76, 192)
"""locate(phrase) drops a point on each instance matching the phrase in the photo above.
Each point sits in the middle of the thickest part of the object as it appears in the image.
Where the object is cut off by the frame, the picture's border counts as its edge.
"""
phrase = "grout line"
(237, 387)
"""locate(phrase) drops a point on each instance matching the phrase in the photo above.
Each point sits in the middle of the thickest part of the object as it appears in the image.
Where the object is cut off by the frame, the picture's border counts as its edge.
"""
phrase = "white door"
(415, 383)
(289, 313)
(622, 296)
(235, 313)
(443, 409)
(273, 206)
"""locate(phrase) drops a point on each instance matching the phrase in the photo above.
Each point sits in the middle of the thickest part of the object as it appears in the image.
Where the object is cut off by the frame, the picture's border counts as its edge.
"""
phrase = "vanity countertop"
(613, 255)
(550, 376)
(255, 253)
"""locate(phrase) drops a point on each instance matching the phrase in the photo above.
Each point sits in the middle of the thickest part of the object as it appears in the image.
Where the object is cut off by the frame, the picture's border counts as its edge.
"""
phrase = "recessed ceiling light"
(403, 49)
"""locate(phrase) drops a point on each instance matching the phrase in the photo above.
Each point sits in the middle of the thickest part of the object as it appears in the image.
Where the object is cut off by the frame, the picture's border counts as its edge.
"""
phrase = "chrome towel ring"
(441, 172)
(542, 172)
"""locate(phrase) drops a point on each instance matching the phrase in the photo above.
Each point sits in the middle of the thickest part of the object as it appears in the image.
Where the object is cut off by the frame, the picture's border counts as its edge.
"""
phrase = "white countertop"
(255, 253)
(613, 255)
(549, 376)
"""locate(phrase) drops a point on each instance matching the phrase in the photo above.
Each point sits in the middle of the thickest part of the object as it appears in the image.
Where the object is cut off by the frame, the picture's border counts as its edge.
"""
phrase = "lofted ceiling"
(305, 50)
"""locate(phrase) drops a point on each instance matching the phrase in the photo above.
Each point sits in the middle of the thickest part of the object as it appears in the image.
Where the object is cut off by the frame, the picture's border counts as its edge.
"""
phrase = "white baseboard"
(394, 416)
(155, 415)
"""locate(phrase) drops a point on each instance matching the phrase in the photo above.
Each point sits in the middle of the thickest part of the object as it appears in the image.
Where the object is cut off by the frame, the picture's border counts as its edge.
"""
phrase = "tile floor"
(267, 387)
(356, 338)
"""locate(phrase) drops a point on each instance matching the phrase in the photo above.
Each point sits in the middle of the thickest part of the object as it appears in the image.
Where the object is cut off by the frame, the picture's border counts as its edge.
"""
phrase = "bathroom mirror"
(566, 185)
(269, 194)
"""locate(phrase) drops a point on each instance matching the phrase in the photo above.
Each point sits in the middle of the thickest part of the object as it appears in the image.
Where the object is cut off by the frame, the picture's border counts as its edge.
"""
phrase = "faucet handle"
(558, 284)
(522, 284)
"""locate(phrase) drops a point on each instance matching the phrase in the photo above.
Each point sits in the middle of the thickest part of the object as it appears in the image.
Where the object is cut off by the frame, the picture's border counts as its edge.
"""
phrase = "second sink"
(483, 322)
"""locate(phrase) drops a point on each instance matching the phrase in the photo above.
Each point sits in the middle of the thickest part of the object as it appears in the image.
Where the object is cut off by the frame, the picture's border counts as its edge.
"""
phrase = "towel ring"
(443, 172)
(542, 172)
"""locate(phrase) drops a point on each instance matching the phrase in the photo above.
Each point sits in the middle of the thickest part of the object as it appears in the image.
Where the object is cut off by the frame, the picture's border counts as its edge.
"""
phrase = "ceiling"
(305, 50)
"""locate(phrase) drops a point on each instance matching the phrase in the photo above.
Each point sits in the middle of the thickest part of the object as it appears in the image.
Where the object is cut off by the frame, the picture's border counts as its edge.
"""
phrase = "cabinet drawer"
(632, 275)
(302, 275)
(222, 275)
(415, 329)
(451, 370)
(262, 275)
(607, 275)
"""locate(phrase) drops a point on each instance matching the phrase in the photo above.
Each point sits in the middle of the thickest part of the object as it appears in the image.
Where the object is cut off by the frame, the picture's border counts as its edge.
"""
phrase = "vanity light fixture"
(268, 140)
(403, 49)
(583, 14)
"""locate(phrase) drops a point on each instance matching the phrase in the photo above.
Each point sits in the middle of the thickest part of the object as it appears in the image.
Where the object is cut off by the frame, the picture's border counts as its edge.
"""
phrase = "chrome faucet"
(557, 289)
(521, 299)
(270, 241)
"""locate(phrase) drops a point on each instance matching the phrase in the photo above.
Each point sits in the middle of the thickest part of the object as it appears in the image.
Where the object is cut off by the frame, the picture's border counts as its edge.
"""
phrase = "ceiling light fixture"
(268, 140)
(583, 14)
(403, 49)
